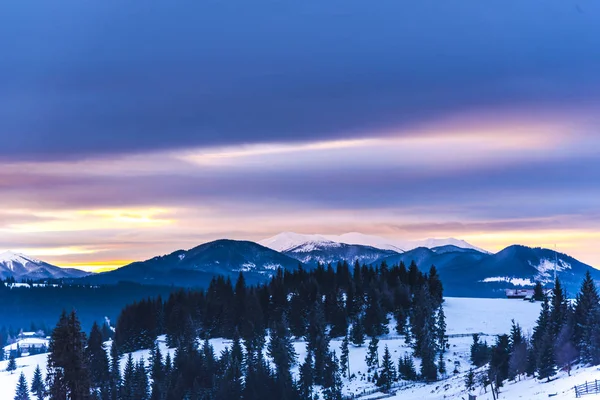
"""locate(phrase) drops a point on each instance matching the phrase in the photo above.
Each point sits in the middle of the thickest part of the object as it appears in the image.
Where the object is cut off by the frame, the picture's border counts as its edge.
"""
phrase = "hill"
(468, 272)
(20, 267)
(197, 266)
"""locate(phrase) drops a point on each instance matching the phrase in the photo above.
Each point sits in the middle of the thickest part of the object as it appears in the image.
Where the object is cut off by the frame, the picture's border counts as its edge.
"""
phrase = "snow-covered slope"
(20, 266)
(312, 253)
(287, 240)
(464, 316)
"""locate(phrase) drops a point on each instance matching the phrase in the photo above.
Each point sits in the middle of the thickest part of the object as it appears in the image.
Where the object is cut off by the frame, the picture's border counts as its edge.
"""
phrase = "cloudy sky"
(131, 129)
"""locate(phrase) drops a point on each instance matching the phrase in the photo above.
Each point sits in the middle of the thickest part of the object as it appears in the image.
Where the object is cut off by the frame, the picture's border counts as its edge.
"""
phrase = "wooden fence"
(587, 388)
(364, 393)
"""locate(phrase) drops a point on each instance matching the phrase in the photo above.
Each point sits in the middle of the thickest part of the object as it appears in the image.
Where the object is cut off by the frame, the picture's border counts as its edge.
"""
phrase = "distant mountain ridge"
(287, 240)
(20, 266)
(197, 266)
(312, 253)
(467, 272)
(464, 271)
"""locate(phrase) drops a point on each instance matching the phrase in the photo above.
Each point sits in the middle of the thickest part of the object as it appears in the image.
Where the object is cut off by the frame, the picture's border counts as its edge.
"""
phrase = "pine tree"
(499, 362)
(435, 286)
(540, 330)
(516, 334)
(388, 372)
(587, 319)
(546, 365)
(281, 350)
(157, 373)
(428, 351)
(441, 330)
(344, 358)
(470, 380)
(406, 368)
(68, 373)
(441, 364)
(318, 342)
(372, 358)
(140, 386)
(37, 384)
(128, 384)
(538, 291)
(558, 313)
(306, 381)
(98, 361)
(357, 331)
(333, 390)
(480, 351)
(22, 392)
(115, 372)
(375, 319)
(12, 363)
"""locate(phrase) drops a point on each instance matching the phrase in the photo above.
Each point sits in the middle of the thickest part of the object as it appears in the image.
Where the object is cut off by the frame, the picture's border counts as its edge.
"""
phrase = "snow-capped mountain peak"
(21, 266)
(289, 240)
(11, 259)
(13, 256)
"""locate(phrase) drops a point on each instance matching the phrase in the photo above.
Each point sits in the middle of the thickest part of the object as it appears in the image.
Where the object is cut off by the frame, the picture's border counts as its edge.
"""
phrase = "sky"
(132, 129)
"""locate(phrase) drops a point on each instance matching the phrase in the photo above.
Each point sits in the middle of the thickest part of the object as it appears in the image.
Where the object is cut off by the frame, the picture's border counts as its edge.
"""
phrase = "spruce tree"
(140, 386)
(499, 362)
(538, 291)
(546, 365)
(22, 392)
(129, 379)
(317, 340)
(441, 330)
(306, 381)
(388, 372)
(372, 357)
(470, 380)
(115, 372)
(587, 320)
(441, 364)
(98, 361)
(357, 331)
(375, 319)
(281, 351)
(435, 286)
(344, 358)
(37, 384)
(68, 372)
(406, 368)
(333, 390)
(12, 363)
(558, 313)
(157, 373)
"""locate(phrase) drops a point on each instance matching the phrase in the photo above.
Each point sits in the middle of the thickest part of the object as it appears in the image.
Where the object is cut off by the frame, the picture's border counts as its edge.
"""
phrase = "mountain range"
(197, 266)
(20, 267)
(464, 269)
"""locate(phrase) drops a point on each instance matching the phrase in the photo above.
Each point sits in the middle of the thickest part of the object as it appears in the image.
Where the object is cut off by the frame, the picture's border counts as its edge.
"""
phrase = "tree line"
(262, 322)
(565, 333)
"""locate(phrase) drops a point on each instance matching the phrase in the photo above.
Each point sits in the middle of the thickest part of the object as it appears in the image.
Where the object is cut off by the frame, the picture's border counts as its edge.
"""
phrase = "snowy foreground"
(464, 317)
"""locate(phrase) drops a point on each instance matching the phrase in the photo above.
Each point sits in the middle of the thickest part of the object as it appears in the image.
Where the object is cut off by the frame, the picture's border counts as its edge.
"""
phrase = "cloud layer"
(131, 129)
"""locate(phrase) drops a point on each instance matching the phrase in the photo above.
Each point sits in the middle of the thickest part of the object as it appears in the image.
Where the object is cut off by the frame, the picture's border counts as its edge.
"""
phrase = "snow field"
(464, 316)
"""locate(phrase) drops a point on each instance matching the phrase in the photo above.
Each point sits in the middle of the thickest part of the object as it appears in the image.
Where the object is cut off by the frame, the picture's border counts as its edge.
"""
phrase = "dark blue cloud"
(90, 78)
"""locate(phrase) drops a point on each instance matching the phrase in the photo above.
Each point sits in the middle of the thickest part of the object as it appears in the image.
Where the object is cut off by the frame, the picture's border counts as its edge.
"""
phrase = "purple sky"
(129, 130)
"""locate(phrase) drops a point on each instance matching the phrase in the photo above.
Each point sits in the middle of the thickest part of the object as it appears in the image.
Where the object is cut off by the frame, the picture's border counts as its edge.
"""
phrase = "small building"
(519, 293)
(26, 347)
